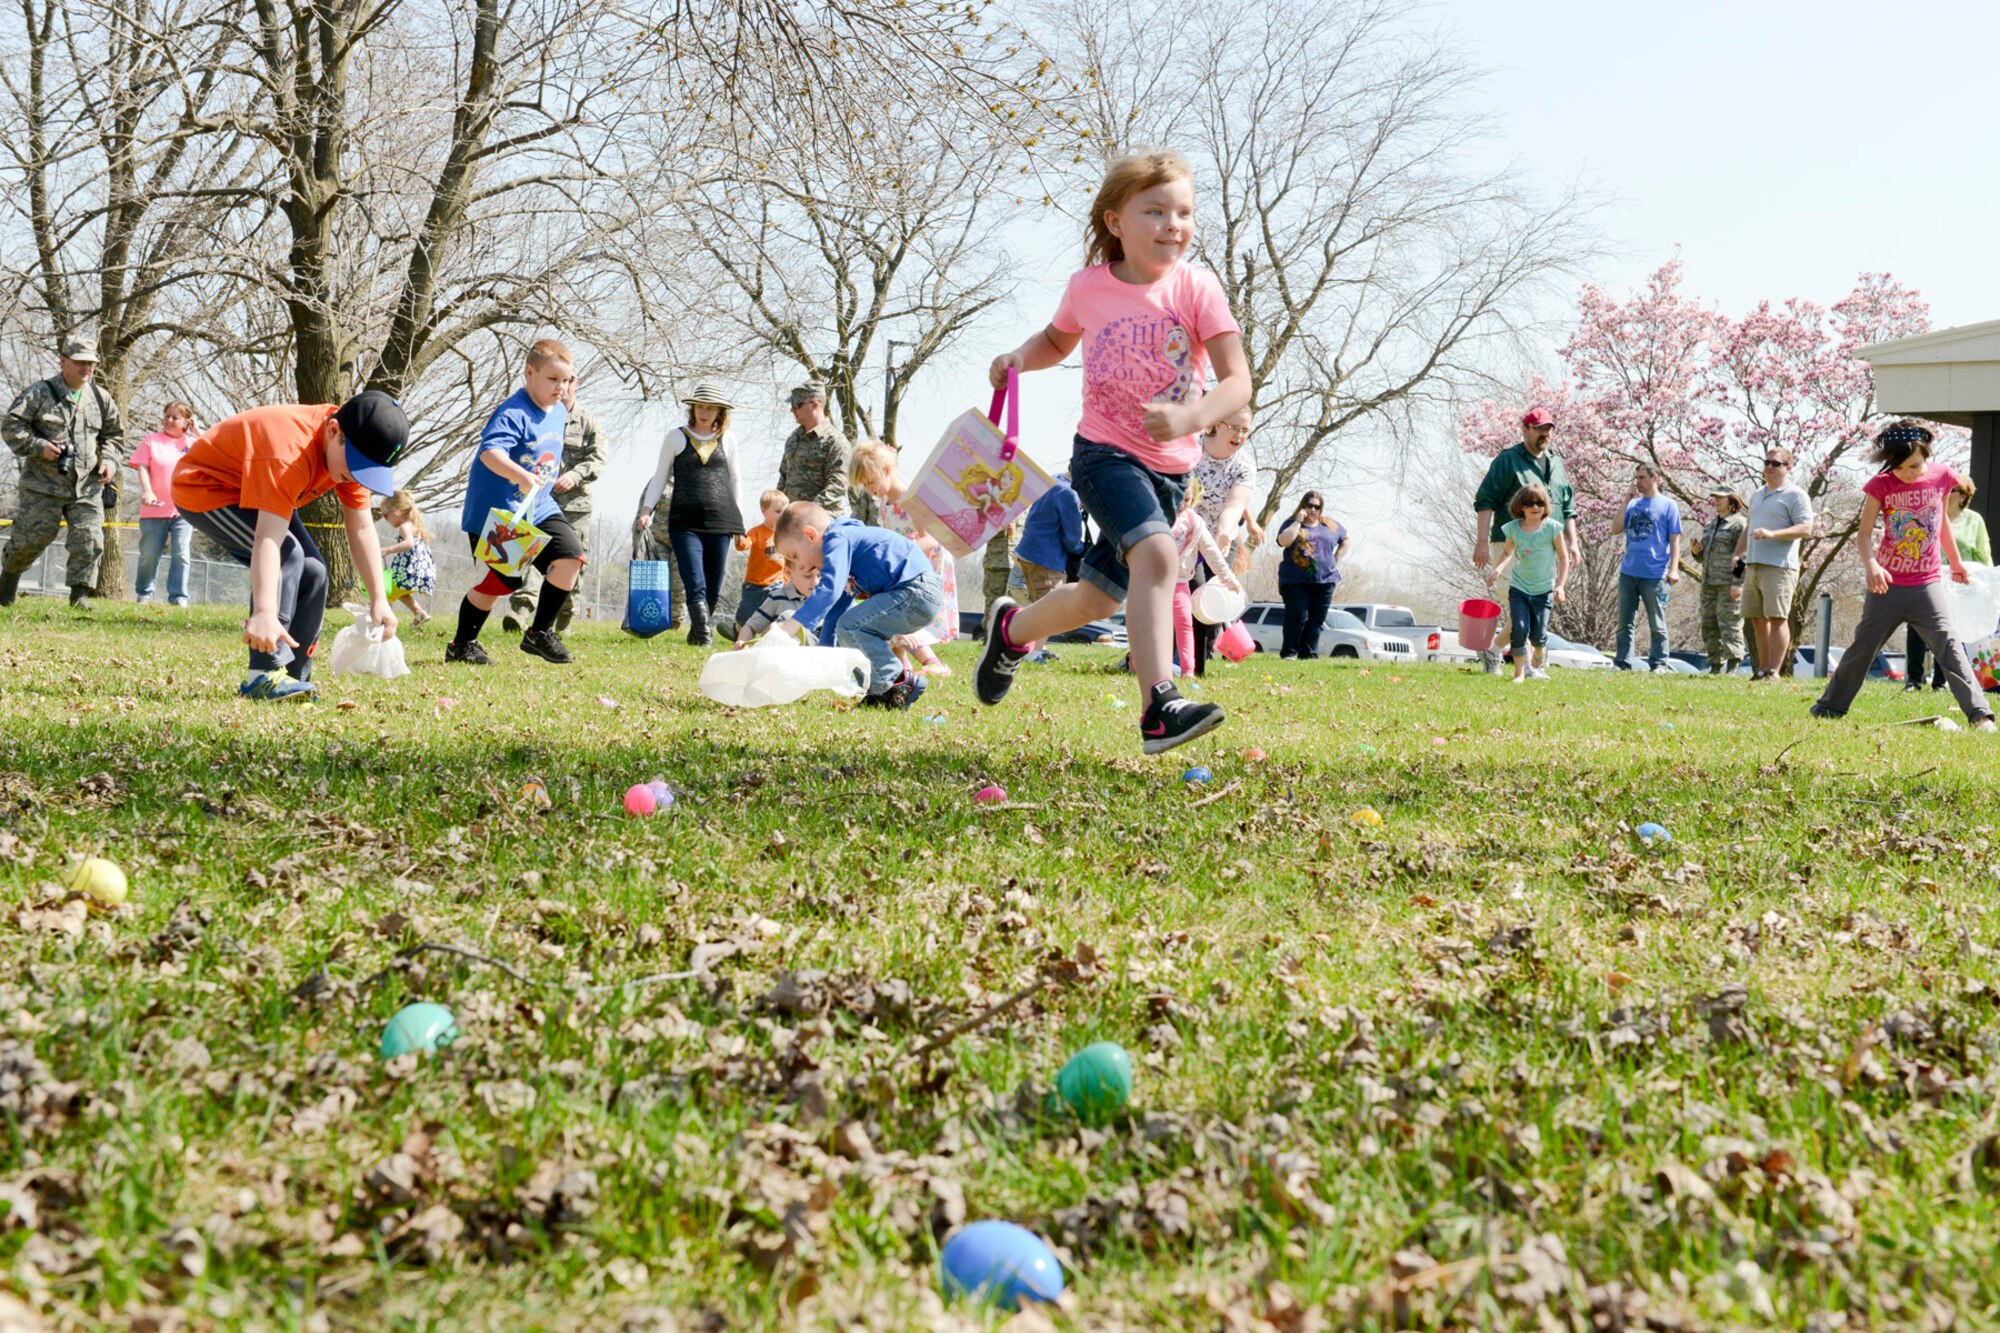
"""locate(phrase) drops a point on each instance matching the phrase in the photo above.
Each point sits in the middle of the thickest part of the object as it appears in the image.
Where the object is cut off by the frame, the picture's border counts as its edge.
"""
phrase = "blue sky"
(1784, 147)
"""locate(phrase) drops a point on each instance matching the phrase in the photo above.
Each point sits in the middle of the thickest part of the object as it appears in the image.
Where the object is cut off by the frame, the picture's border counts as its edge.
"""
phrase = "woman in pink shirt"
(159, 522)
(1905, 586)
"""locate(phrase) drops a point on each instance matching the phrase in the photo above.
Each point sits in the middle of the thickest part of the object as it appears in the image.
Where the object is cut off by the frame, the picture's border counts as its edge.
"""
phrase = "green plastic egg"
(1097, 1082)
(418, 1027)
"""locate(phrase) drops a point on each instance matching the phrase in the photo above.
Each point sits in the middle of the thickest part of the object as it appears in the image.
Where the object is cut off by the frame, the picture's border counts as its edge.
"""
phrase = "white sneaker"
(1536, 673)
(1986, 724)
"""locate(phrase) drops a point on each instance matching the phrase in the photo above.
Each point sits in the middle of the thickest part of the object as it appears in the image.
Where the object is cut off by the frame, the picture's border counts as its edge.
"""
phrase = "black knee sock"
(471, 619)
(549, 606)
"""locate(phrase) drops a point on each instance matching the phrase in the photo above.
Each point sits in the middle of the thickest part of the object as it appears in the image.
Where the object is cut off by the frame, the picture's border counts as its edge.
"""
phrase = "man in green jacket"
(70, 439)
(1517, 465)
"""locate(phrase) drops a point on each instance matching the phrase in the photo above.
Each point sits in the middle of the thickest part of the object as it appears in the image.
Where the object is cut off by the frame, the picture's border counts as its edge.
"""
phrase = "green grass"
(1488, 1065)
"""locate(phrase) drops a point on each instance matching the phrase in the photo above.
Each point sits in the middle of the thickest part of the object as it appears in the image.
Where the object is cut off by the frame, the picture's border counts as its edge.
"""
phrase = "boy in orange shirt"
(243, 483)
(766, 571)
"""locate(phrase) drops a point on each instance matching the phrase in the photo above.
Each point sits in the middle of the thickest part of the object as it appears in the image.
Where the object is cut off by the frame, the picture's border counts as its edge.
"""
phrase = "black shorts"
(564, 544)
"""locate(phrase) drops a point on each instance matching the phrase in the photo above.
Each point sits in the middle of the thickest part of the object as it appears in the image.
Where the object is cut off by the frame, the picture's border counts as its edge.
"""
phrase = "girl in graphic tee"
(1149, 324)
(1904, 579)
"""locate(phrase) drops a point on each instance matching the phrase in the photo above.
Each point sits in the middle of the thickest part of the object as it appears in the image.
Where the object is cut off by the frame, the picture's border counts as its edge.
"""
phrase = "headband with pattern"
(1904, 435)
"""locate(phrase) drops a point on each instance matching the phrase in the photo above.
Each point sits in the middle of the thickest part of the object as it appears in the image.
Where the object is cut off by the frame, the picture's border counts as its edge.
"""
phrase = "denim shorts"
(1127, 500)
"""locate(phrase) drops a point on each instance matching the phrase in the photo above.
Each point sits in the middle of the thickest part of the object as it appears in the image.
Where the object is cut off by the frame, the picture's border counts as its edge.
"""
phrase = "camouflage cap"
(76, 348)
(805, 393)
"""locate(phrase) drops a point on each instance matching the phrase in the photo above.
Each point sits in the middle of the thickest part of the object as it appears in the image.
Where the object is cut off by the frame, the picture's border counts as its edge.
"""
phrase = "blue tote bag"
(648, 596)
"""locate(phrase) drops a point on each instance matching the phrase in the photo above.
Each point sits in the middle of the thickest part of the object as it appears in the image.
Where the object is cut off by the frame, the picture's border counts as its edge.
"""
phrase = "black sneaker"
(544, 644)
(998, 663)
(1171, 720)
(469, 653)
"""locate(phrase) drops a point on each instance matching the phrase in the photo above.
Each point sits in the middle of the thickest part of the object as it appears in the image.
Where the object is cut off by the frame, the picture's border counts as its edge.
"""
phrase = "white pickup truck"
(1399, 621)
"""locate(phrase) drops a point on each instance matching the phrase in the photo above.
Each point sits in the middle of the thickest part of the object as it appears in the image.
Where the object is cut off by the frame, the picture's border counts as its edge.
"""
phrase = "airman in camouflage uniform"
(815, 463)
(1721, 584)
(70, 439)
(584, 451)
(998, 564)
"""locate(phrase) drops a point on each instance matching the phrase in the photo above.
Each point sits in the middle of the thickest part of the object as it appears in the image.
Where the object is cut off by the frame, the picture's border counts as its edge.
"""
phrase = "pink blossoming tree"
(1662, 378)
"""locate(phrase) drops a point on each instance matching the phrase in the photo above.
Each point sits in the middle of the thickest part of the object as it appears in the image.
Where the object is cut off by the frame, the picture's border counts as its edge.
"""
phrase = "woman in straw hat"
(691, 501)
(1722, 583)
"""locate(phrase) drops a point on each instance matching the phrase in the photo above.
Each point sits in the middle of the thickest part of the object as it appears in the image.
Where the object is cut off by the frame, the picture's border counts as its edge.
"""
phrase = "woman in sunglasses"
(1308, 572)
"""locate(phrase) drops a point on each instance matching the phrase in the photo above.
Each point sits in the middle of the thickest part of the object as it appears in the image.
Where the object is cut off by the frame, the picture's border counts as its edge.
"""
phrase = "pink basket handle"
(1010, 394)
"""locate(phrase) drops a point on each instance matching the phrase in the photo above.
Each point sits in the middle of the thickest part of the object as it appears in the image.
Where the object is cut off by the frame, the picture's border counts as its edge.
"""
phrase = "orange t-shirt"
(764, 569)
(268, 459)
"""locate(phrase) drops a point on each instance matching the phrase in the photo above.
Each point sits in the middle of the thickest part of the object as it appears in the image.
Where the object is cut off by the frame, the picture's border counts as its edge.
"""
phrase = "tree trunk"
(111, 574)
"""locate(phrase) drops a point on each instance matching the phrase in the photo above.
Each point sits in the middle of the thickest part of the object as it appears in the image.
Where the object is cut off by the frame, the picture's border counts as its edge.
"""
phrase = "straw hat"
(707, 391)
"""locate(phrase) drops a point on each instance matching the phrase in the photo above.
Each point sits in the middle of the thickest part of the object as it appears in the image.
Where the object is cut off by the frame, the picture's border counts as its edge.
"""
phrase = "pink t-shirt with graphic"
(1143, 344)
(1912, 516)
(160, 453)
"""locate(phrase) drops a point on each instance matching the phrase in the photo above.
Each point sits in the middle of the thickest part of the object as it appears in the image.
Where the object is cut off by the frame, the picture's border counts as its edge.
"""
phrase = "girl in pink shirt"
(1904, 572)
(1149, 325)
(160, 524)
(1193, 543)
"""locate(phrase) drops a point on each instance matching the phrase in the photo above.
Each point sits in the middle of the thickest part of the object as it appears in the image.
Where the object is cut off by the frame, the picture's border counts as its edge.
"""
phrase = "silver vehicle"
(1344, 636)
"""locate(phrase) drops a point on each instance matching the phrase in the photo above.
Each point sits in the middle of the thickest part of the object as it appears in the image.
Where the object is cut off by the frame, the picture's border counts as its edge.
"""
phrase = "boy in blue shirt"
(897, 591)
(1651, 526)
(521, 450)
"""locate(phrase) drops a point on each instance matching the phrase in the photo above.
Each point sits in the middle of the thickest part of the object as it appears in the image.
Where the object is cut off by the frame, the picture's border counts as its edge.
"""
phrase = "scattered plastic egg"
(1097, 1082)
(1198, 774)
(1366, 817)
(1000, 1264)
(420, 1028)
(639, 800)
(990, 794)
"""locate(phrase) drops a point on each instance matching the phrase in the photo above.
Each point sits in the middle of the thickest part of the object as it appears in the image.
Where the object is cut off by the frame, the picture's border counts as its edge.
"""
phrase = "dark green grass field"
(1490, 1064)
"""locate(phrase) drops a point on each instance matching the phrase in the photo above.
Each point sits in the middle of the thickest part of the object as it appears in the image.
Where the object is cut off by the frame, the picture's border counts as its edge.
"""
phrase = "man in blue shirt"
(1651, 526)
(896, 589)
(1051, 539)
(521, 453)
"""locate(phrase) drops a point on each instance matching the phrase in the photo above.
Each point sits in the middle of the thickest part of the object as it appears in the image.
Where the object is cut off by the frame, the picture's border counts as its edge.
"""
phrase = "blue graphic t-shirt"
(533, 438)
(1313, 556)
(1651, 524)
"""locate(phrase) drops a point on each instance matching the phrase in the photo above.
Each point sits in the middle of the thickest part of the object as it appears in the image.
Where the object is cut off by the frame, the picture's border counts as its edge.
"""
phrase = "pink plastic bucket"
(1478, 622)
(1235, 642)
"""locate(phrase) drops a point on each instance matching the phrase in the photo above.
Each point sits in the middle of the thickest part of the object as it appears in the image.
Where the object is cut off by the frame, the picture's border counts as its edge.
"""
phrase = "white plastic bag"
(360, 650)
(776, 670)
(1975, 606)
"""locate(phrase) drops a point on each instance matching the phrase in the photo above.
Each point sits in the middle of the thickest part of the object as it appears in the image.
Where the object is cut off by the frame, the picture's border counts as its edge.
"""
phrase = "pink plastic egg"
(639, 800)
(990, 795)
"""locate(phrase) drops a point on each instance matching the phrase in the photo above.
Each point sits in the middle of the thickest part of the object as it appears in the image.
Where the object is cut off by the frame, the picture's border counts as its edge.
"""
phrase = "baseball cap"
(1538, 416)
(78, 349)
(375, 431)
(805, 393)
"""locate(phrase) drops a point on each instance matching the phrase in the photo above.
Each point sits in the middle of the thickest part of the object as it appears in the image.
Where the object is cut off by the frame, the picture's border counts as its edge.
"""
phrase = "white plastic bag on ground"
(776, 670)
(1975, 606)
(360, 650)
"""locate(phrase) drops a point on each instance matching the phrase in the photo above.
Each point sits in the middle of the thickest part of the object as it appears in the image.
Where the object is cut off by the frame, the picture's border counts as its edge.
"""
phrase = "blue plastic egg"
(663, 795)
(1653, 833)
(1197, 775)
(418, 1027)
(1000, 1264)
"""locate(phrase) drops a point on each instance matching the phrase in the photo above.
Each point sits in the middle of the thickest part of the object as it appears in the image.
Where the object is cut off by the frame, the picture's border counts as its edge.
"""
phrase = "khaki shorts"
(1041, 580)
(1767, 591)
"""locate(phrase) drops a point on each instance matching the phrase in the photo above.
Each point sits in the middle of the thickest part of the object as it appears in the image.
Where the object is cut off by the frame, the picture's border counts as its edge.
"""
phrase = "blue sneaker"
(274, 688)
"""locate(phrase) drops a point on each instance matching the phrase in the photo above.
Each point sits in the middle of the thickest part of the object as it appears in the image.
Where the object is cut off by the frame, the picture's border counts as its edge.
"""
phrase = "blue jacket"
(875, 559)
(1053, 534)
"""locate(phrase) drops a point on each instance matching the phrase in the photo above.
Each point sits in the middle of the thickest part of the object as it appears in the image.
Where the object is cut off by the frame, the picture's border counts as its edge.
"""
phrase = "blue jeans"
(1128, 501)
(871, 622)
(1529, 614)
(701, 558)
(153, 536)
(1634, 592)
(1305, 616)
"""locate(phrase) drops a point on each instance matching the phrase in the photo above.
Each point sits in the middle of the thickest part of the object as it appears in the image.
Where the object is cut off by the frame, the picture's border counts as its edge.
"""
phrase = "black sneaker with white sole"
(544, 644)
(469, 653)
(998, 663)
(1171, 720)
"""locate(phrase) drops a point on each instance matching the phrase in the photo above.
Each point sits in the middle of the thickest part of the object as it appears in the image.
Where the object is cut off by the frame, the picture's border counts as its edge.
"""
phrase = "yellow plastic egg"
(101, 879)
